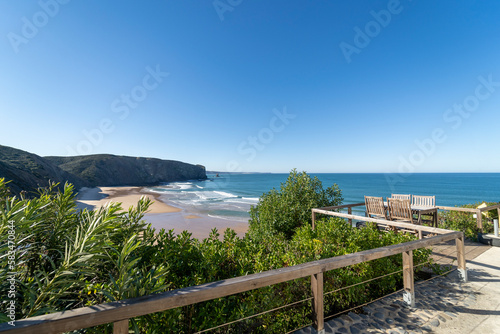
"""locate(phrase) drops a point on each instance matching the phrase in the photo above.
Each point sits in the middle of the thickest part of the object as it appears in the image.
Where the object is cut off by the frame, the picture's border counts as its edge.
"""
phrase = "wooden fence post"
(317, 302)
(408, 280)
(479, 220)
(120, 327)
(461, 264)
(313, 218)
(349, 211)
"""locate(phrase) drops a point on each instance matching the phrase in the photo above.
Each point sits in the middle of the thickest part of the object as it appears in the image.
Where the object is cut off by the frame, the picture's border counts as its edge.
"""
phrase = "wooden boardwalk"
(446, 253)
(441, 303)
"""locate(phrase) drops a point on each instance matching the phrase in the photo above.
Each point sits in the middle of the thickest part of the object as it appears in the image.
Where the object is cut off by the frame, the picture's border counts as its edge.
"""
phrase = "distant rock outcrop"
(28, 171)
(112, 170)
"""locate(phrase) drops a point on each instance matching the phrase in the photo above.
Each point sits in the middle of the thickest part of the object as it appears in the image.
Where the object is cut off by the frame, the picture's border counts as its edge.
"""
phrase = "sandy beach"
(160, 215)
(91, 198)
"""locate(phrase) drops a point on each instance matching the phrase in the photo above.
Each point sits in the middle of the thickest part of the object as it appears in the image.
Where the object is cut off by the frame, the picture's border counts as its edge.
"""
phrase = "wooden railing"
(477, 212)
(336, 208)
(120, 312)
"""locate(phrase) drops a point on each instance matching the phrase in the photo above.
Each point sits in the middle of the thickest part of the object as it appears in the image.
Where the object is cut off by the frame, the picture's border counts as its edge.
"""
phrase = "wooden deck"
(446, 252)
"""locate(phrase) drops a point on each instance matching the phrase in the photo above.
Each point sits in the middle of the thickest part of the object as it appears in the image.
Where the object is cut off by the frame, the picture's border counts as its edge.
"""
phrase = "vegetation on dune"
(66, 258)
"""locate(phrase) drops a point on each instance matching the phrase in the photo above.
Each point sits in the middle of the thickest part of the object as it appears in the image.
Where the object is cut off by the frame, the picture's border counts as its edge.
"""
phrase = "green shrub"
(465, 221)
(281, 212)
(66, 258)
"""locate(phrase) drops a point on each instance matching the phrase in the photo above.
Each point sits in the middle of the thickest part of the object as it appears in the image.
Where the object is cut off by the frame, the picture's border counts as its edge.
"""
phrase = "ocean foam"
(241, 200)
(184, 186)
(225, 194)
(253, 199)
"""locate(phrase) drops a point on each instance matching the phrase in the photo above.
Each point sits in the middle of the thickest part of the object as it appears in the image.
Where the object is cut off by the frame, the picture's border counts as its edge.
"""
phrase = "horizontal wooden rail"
(491, 207)
(342, 206)
(454, 208)
(488, 208)
(384, 222)
(478, 212)
(348, 206)
(118, 312)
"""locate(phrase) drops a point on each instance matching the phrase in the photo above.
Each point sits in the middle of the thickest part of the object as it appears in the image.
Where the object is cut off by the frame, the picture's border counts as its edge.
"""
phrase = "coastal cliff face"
(112, 170)
(28, 171)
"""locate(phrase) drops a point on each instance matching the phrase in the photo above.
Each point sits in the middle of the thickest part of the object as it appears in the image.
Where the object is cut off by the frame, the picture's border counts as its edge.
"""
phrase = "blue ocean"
(230, 196)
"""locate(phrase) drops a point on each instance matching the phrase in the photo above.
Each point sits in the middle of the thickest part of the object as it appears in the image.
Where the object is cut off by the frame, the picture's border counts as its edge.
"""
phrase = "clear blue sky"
(267, 86)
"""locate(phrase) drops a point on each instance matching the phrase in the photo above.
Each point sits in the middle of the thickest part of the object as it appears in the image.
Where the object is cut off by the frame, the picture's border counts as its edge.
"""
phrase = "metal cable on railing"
(310, 298)
(255, 315)
(337, 290)
(392, 293)
(371, 279)
(358, 306)
(438, 275)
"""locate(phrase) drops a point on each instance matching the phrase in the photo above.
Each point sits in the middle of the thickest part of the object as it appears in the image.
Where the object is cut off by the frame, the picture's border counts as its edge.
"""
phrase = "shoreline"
(92, 198)
(160, 214)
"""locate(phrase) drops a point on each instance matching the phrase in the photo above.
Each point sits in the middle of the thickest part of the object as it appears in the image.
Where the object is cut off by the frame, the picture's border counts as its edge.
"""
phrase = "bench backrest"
(423, 200)
(400, 196)
(375, 206)
(399, 209)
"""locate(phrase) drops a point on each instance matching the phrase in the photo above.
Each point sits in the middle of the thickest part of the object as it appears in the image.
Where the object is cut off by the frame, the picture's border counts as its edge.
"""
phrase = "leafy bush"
(67, 259)
(64, 258)
(281, 212)
(465, 221)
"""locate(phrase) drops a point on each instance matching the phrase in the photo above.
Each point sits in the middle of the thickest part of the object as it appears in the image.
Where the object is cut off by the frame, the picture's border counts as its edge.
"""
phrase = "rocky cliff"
(112, 170)
(28, 171)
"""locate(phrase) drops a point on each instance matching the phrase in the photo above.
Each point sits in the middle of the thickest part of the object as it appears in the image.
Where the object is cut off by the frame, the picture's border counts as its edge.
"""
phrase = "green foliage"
(61, 253)
(335, 237)
(67, 258)
(281, 212)
(4, 191)
(465, 221)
